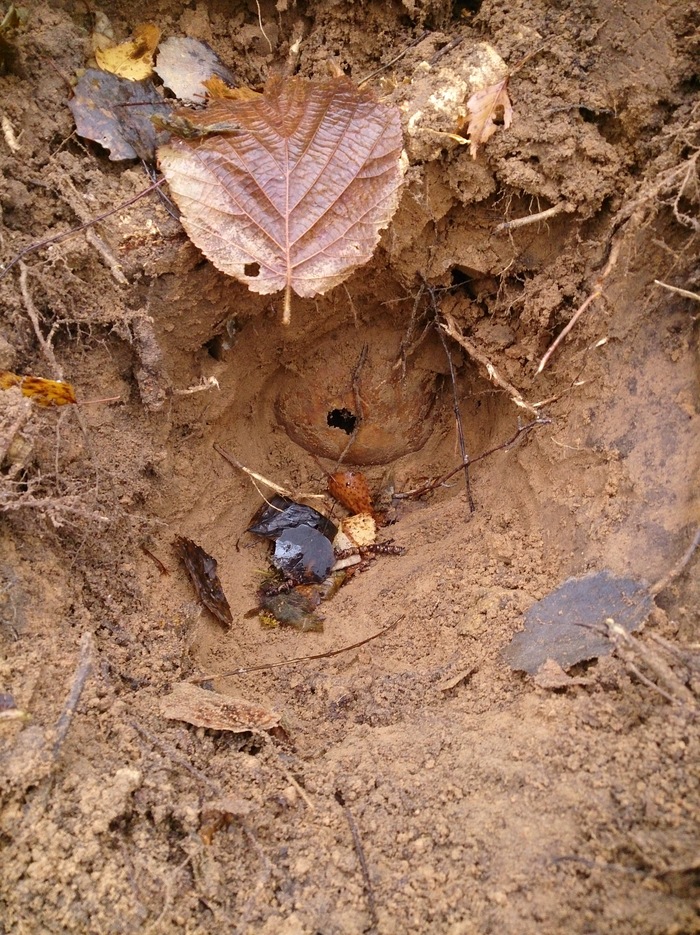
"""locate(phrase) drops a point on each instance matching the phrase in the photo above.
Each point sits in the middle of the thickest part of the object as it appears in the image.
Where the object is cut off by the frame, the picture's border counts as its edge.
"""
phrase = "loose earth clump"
(163, 769)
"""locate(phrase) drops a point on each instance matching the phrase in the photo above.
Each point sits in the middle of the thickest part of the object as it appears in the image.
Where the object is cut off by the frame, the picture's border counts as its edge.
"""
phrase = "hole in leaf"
(342, 419)
(252, 269)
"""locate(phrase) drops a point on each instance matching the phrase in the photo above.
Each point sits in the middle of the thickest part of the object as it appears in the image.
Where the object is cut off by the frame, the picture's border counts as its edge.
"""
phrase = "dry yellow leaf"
(485, 107)
(219, 90)
(44, 392)
(361, 528)
(132, 59)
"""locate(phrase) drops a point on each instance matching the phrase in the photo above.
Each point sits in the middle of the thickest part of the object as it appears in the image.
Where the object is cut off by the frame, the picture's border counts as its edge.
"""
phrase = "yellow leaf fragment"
(361, 528)
(219, 90)
(132, 59)
(485, 107)
(201, 708)
(44, 392)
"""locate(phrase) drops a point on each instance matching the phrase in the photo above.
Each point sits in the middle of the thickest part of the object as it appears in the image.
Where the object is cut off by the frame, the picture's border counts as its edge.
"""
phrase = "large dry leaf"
(485, 107)
(293, 187)
(201, 708)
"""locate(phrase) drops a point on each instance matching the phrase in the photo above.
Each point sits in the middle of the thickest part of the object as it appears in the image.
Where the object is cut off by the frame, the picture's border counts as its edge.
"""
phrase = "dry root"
(663, 678)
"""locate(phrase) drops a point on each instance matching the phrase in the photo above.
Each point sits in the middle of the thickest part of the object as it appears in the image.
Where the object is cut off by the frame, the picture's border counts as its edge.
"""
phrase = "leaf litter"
(132, 59)
(185, 65)
(41, 391)
(210, 709)
(281, 513)
(312, 557)
(294, 194)
(488, 109)
(567, 625)
(202, 569)
(116, 113)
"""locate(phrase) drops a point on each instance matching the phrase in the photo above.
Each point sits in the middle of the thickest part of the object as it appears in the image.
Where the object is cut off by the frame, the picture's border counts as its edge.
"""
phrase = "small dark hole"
(252, 269)
(464, 8)
(342, 419)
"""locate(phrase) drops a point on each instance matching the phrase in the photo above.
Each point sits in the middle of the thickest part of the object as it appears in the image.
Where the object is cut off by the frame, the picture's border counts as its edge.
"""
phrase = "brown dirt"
(483, 803)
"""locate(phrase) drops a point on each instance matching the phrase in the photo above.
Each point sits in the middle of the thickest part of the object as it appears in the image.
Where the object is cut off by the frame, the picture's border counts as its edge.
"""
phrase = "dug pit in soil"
(413, 782)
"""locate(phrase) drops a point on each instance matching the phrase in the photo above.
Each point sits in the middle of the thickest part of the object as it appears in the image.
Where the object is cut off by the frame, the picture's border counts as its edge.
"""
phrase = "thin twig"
(291, 662)
(597, 292)
(360, 851)
(74, 199)
(452, 44)
(176, 757)
(407, 346)
(532, 218)
(678, 568)
(574, 318)
(81, 673)
(426, 488)
(205, 383)
(359, 410)
(632, 649)
(162, 568)
(396, 58)
(40, 244)
(645, 680)
(458, 414)
(686, 293)
(33, 315)
(262, 28)
(286, 772)
(263, 480)
(451, 328)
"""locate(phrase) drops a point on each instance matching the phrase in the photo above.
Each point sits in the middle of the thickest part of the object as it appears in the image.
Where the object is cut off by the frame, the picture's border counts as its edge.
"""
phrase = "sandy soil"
(478, 801)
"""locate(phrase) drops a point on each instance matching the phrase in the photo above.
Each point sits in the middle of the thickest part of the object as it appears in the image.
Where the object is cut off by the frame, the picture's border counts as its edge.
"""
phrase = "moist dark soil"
(417, 782)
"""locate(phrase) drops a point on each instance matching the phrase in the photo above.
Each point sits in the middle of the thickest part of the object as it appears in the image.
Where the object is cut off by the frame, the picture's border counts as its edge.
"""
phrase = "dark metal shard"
(281, 513)
(304, 554)
(566, 625)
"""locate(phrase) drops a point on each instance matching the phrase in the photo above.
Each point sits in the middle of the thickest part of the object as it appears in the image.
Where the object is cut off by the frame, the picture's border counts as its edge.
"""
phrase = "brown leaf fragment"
(186, 65)
(202, 570)
(202, 708)
(41, 391)
(294, 194)
(485, 108)
(352, 490)
(133, 59)
(218, 814)
(551, 675)
(116, 113)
